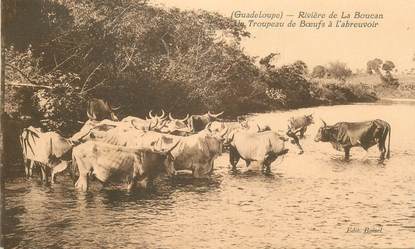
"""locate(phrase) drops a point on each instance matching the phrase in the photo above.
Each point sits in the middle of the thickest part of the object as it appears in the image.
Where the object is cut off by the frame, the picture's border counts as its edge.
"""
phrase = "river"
(314, 200)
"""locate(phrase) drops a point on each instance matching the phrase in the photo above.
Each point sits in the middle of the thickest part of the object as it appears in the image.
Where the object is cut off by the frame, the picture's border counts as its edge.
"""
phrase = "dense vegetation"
(141, 57)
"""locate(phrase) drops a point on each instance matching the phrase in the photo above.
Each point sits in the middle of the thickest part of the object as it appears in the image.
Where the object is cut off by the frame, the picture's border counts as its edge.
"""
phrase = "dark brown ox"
(300, 123)
(198, 122)
(261, 147)
(99, 109)
(345, 135)
(115, 163)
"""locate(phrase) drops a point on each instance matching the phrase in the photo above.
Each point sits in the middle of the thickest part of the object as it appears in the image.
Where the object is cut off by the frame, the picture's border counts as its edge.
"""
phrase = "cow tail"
(389, 142)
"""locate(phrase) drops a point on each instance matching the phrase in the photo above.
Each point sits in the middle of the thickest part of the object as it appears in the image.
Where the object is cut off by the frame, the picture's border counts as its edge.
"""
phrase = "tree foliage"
(339, 70)
(319, 71)
(139, 57)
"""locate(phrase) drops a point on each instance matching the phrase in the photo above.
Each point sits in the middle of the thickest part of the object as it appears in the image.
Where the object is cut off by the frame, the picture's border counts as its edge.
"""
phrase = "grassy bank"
(365, 87)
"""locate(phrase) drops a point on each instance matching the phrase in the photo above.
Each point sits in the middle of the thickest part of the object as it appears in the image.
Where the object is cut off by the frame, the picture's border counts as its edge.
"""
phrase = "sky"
(393, 39)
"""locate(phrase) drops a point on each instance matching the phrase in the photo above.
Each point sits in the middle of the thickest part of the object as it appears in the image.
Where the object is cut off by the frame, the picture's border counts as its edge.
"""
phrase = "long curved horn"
(163, 114)
(207, 127)
(215, 115)
(162, 124)
(186, 118)
(115, 108)
(150, 114)
(324, 123)
(222, 134)
(154, 126)
(171, 117)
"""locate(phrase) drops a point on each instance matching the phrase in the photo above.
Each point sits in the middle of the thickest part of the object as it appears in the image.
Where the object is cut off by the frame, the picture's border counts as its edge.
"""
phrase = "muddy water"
(312, 200)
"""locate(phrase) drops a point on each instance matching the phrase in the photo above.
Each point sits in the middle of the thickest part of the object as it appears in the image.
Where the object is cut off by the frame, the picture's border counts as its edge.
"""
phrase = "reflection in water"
(310, 200)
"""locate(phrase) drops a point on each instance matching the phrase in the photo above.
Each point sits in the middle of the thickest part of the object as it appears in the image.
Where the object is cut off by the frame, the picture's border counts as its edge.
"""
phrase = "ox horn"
(150, 114)
(115, 108)
(208, 126)
(163, 114)
(162, 124)
(154, 126)
(324, 123)
(171, 117)
(215, 115)
(186, 118)
(224, 132)
(91, 117)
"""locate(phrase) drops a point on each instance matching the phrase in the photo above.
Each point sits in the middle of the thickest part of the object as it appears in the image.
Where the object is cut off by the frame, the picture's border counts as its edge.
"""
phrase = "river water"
(314, 200)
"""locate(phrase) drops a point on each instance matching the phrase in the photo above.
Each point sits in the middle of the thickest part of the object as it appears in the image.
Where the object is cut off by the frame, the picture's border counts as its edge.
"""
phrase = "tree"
(388, 79)
(319, 71)
(339, 70)
(388, 66)
(267, 60)
(374, 66)
(287, 84)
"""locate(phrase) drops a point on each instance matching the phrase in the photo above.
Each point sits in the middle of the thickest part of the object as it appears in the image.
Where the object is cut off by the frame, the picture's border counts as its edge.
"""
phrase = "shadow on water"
(198, 185)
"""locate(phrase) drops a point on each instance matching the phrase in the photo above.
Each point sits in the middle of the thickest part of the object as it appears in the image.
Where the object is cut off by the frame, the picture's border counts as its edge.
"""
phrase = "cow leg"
(265, 167)
(302, 131)
(82, 183)
(57, 169)
(382, 150)
(347, 153)
(131, 185)
(269, 158)
(44, 173)
(30, 168)
(234, 157)
(26, 165)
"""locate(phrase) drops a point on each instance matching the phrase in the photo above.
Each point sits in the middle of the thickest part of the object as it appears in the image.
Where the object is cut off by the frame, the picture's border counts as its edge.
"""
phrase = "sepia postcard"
(207, 124)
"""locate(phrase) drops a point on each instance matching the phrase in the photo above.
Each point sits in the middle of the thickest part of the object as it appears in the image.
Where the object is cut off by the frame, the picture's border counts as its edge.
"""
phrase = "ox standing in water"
(115, 163)
(345, 135)
(262, 147)
(47, 148)
(300, 123)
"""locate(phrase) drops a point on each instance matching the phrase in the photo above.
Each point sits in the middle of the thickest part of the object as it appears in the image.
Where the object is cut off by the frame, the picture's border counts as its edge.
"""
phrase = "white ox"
(108, 162)
(47, 148)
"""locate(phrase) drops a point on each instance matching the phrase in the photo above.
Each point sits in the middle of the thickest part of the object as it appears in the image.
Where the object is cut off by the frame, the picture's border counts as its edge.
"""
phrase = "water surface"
(310, 201)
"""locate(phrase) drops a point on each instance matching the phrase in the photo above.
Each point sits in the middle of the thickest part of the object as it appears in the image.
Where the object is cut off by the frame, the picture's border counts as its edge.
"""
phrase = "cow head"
(178, 124)
(309, 119)
(325, 133)
(229, 139)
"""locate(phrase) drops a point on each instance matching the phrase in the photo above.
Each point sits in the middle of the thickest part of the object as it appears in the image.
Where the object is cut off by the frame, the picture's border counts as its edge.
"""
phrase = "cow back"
(298, 122)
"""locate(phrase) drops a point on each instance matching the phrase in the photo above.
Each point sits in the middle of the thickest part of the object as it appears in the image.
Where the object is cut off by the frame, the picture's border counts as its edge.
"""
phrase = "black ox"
(345, 135)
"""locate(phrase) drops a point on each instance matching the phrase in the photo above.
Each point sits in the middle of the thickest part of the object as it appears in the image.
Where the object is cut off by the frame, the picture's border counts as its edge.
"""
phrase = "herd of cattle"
(137, 150)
